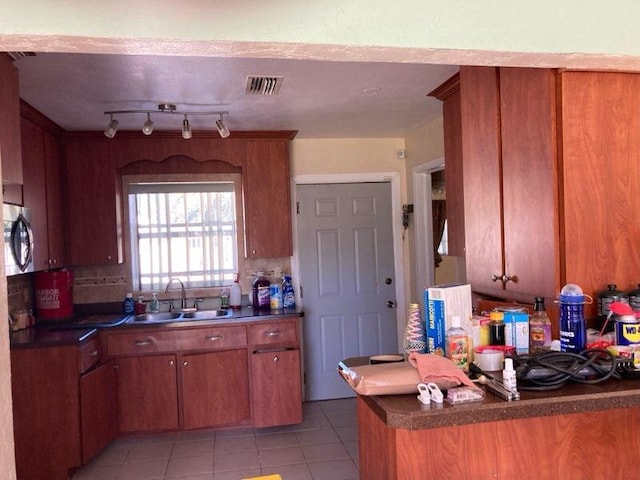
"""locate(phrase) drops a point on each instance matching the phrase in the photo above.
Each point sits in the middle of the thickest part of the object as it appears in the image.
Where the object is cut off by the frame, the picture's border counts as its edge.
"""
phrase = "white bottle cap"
(455, 321)
(508, 364)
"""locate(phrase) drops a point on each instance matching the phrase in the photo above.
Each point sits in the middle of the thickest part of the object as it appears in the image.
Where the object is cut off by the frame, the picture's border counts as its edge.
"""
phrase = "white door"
(346, 276)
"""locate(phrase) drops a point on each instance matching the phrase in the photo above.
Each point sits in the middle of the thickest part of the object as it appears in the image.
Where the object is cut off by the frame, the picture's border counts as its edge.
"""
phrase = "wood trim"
(28, 112)
(448, 88)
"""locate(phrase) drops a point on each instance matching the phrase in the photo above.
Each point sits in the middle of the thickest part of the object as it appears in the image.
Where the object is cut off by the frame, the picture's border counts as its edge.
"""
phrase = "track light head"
(112, 127)
(222, 128)
(186, 129)
(147, 127)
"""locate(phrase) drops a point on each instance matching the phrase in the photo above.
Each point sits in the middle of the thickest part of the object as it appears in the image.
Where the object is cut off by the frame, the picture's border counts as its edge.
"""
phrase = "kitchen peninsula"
(576, 432)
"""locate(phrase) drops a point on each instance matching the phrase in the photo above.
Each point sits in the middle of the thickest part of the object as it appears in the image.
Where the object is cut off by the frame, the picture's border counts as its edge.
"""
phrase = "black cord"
(552, 370)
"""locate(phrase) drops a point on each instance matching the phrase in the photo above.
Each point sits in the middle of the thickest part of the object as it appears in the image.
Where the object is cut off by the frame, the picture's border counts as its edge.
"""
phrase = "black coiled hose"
(552, 370)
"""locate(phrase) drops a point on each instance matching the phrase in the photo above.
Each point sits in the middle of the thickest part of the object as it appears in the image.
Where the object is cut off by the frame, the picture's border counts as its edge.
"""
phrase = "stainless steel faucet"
(184, 293)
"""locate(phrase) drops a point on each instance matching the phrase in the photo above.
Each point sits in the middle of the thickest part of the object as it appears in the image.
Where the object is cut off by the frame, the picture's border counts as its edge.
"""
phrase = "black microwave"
(18, 239)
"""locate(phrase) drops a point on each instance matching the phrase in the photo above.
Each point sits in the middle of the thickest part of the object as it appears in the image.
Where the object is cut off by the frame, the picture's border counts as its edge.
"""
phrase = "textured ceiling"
(320, 99)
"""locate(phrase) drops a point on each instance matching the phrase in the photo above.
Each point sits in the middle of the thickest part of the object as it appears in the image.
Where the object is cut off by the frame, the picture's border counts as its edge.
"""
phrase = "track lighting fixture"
(222, 128)
(165, 108)
(112, 128)
(147, 127)
(186, 128)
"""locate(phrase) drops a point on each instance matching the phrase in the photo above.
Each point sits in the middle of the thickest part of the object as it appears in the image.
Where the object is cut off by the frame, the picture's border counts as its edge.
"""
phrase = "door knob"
(390, 304)
(495, 278)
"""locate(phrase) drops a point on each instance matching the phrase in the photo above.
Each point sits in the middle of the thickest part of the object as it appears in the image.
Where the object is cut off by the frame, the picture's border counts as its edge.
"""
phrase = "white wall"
(515, 32)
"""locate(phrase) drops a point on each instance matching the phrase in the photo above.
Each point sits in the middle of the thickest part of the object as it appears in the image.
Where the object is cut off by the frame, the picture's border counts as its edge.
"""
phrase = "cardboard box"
(516, 331)
(441, 302)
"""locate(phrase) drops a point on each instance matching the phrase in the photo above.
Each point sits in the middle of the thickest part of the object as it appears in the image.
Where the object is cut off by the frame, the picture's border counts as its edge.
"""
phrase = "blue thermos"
(573, 330)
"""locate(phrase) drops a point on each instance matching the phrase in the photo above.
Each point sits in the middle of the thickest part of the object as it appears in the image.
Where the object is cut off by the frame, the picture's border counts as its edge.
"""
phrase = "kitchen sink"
(165, 317)
(206, 314)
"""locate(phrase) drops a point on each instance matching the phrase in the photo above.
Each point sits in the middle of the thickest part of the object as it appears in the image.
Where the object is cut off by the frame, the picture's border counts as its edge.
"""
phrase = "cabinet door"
(46, 411)
(147, 393)
(480, 103)
(276, 388)
(530, 183)
(267, 199)
(215, 388)
(10, 142)
(56, 219)
(34, 190)
(98, 409)
(601, 165)
(93, 206)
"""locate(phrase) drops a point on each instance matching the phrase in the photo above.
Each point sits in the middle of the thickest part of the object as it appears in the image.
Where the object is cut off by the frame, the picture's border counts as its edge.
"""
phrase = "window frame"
(128, 179)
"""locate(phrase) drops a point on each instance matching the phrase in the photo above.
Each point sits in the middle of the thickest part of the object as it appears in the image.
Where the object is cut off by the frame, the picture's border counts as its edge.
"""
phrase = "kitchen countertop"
(84, 326)
(406, 412)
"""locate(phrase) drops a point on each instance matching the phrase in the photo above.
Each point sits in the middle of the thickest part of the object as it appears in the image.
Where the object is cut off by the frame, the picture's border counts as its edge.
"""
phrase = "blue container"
(573, 330)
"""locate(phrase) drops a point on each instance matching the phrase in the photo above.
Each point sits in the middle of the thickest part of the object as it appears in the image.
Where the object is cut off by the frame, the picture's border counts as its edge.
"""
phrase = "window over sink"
(184, 227)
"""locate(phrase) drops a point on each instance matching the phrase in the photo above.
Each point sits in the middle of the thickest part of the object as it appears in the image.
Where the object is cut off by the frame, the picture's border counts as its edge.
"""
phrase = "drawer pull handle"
(185, 364)
(93, 353)
(213, 338)
(142, 343)
(273, 334)
(276, 359)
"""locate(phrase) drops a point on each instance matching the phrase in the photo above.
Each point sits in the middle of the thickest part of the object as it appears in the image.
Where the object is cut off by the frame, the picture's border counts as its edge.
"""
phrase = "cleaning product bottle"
(140, 307)
(573, 330)
(289, 297)
(539, 328)
(128, 306)
(457, 343)
(235, 293)
(260, 292)
(509, 375)
(154, 305)
(224, 298)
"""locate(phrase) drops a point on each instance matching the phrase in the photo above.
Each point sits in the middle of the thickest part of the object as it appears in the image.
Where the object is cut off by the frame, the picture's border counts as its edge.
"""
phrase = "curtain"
(439, 215)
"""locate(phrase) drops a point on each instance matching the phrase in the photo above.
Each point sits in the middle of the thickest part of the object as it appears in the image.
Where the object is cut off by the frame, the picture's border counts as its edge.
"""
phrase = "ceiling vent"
(263, 85)
(15, 56)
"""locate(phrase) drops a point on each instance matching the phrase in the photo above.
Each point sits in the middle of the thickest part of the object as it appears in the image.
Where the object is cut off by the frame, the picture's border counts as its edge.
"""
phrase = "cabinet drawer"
(169, 341)
(273, 333)
(89, 355)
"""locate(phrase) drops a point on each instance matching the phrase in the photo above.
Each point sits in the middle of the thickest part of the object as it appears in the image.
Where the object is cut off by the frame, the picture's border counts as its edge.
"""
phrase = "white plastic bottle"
(509, 375)
(235, 293)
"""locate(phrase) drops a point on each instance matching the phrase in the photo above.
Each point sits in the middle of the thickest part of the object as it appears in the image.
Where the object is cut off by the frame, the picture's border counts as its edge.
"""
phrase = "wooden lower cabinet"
(215, 388)
(277, 397)
(147, 393)
(64, 408)
(98, 409)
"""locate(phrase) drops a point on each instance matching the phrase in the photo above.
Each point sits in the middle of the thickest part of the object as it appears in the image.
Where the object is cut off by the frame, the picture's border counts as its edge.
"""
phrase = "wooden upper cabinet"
(267, 199)
(449, 93)
(34, 190)
(601, 165)
(42, 193)
(480, 110)
(56, 218)
(93, 203)
(530, 180)
(10, 141)
(510, 181)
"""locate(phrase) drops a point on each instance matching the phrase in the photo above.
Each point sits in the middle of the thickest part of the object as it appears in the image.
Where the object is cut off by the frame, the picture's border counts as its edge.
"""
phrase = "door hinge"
(301, 292)
(298, 208)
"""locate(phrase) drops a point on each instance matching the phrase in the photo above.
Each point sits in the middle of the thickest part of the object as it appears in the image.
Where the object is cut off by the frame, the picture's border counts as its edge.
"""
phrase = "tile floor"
(323, 447)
